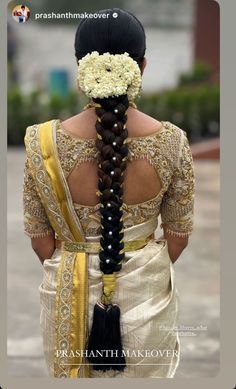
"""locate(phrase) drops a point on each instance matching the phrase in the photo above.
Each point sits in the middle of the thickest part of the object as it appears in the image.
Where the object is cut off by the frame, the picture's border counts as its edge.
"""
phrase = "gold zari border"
(72, 293)
(94, 247)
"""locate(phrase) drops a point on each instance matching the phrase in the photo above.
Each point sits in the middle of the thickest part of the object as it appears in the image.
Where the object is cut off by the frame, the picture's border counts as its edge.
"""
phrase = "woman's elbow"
(37, 247)
(35, 244)
(176, 246)
(43, 247)
(184, 242)
(178, 241)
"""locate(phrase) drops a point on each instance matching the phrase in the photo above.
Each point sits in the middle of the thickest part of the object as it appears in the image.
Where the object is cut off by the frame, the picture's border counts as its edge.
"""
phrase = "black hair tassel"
(104, 344)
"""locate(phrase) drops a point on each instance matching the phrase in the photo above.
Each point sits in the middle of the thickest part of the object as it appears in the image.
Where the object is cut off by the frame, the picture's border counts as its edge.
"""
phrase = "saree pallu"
(148, 299)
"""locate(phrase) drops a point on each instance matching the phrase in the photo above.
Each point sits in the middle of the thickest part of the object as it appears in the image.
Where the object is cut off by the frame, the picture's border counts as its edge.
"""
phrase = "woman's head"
(115, 35)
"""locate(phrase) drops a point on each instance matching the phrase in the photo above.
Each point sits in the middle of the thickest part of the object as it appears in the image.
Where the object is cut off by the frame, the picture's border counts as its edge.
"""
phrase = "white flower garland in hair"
(106, 75)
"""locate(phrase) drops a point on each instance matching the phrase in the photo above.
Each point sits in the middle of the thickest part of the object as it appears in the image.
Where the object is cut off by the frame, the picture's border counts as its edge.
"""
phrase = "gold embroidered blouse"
(167, 150)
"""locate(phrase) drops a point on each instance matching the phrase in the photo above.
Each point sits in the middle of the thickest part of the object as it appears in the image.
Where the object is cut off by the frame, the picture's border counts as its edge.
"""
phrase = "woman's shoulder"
(169, 140)
(32, 128)
(149, 124)
(175, 130)
(33, 132)
(146, 124)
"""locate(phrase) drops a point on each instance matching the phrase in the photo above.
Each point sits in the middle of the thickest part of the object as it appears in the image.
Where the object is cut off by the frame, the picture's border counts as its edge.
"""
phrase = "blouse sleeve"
(36, 223)
(177, 208)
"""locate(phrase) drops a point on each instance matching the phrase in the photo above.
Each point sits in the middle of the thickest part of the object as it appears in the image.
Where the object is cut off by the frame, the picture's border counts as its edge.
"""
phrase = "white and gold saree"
(146, 290)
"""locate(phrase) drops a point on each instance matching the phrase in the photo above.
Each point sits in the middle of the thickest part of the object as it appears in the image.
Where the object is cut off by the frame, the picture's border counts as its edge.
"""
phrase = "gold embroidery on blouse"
(178, 202)
(36, 223)
(168, 151)
(73, 151)
(133, 214)
(163, 151)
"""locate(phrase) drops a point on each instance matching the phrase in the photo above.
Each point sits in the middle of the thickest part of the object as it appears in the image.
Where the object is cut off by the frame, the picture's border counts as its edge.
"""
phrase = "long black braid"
(112, 133)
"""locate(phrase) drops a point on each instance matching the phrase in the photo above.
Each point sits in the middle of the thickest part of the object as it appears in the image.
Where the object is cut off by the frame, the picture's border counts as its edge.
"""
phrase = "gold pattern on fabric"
(77, 322)
(71, 315)
(53, 170)
(36, 223)
(177, 209)
(72, 151)
(79, 335)
(43, 183)
(63, 316)
(94, 247)
(70, 318)
(168, 151)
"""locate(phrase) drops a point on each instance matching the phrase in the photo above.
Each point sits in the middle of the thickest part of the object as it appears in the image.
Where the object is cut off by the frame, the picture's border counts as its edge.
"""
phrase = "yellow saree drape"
(72, 283)
(71, 297)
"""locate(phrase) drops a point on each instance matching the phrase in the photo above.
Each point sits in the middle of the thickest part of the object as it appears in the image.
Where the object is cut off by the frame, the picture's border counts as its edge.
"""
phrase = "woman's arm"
(43, 247)
(177, 208)
(175, 244)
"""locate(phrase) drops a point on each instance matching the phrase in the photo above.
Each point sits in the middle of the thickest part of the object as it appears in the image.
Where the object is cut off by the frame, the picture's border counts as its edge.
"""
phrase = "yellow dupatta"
(72, 289)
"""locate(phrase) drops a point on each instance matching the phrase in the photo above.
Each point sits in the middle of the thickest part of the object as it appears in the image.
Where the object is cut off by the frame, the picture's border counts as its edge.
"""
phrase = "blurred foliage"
(193, 106)
(201, 73)
(194, 110)
(36, 108)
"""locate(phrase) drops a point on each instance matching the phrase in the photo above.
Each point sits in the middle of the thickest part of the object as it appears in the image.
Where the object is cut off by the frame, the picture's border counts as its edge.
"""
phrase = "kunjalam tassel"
(104, 345)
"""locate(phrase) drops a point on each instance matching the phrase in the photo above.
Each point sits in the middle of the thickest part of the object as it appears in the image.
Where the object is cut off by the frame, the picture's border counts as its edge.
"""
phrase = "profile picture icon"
(21, 13)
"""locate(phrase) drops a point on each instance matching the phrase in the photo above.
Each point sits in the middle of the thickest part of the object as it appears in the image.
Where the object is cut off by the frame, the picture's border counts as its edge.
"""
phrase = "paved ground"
(197, 278)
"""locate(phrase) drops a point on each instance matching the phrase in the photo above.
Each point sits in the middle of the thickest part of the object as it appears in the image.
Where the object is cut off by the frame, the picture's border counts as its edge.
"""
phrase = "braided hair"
(112, 133)
(108, 36)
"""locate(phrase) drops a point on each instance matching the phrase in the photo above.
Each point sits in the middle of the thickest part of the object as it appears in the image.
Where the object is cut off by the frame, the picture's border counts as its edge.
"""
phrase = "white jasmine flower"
(108, 75)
